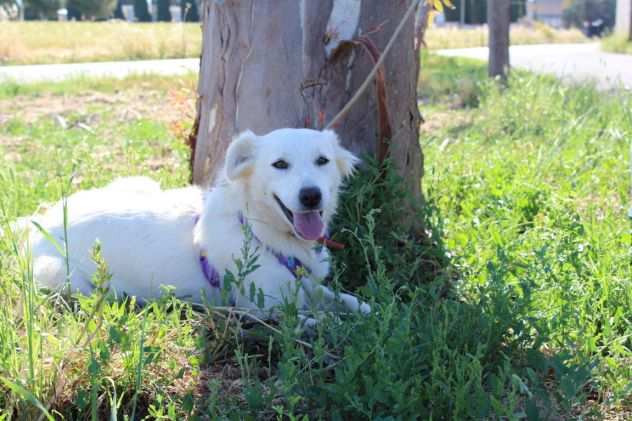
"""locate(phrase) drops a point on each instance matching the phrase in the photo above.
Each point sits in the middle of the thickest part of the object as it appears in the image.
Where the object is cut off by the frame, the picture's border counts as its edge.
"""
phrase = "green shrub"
(373, 202)
(93, 9)
(41, 9)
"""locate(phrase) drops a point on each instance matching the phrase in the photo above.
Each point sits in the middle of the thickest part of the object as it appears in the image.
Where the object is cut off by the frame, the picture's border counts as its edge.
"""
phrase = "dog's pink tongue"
(309, 225)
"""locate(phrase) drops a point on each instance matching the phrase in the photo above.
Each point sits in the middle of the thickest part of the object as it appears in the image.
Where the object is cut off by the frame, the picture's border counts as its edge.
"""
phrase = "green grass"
(78, 85)
(526, 201)
(617, 44)
(534, 188)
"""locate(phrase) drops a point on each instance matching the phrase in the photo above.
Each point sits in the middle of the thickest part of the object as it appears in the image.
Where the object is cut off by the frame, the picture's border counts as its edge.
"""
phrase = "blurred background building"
(547, 11)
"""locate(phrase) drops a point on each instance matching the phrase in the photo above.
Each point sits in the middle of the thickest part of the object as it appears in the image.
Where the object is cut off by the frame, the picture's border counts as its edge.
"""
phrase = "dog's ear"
(240, 156)
(345, 160)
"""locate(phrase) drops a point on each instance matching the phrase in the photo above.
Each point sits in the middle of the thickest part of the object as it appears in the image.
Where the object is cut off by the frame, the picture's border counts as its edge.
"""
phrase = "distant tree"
(73, 13)
(92, 9)
(164, 15)
(630, 25)
(141, 11)
(10, 7)
(118, 11)
(498, 23)
(41, 9)
(476, 11)
(190, 11)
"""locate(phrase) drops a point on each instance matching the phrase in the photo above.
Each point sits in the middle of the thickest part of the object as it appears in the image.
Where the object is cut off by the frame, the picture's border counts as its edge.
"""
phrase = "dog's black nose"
(310, 197)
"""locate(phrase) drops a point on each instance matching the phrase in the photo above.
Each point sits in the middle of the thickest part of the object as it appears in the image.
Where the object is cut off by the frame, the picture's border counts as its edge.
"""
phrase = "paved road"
(577, 62)
(57, 72)
(568, 61)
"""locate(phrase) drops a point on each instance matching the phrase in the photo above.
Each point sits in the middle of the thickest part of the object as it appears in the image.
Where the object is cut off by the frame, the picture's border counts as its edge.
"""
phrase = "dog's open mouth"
(308, 225)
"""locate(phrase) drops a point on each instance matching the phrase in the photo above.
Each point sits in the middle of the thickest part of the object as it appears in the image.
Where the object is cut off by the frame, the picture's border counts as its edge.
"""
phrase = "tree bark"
(164, 14)
(268, 64)
(421, 24)
(141, 11)
(498, 21)
(630, 25)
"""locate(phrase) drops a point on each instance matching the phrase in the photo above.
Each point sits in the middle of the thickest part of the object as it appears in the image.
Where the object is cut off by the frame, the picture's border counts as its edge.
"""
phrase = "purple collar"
(210, 273)
(293, 264)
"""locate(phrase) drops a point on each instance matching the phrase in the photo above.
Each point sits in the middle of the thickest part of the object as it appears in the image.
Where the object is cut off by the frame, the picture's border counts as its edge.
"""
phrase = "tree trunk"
(164, 14)
(421, 24)
(498, 20)
(141, 11)
(190, 11)
(268, 64)
(630, 24)
(118, 11)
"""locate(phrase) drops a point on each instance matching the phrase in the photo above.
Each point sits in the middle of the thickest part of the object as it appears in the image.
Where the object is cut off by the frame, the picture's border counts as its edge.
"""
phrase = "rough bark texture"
(498, 19)
(630, 24)
(421, 24)
(268, 64)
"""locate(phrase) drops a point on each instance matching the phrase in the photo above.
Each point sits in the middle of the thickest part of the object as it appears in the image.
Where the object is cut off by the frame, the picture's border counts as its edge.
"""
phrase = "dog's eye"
(281, 164)
(322, 161)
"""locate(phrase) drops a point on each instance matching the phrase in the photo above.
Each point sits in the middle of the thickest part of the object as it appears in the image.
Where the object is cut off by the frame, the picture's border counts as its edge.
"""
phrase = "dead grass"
(453, 37)
(101, 109)
(144, 100)
(67, 42)
(442, 119)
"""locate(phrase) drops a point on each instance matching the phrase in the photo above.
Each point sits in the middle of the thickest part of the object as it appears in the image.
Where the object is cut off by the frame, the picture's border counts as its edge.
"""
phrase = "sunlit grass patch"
(617, 44)
(536, 186)
(522, 309)
(80, 85)
(71, 42)
(454, 37)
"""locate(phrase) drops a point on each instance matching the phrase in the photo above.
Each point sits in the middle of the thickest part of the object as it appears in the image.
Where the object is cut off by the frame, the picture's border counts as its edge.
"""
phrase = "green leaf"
(25, 394)
(50, 238)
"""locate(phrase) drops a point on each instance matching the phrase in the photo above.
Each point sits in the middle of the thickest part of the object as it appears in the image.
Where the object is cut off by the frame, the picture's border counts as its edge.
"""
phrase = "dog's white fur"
(149, 237)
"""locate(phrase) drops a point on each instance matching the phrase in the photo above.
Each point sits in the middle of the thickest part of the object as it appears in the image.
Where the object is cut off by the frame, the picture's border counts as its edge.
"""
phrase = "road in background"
(575, 62)
(117, 69)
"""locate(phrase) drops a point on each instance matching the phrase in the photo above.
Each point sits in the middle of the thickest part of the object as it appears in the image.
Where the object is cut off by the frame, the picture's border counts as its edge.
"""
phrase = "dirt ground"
(167, 107)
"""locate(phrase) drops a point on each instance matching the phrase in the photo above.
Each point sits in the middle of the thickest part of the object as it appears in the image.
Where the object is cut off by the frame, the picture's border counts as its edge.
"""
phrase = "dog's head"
(291, 177)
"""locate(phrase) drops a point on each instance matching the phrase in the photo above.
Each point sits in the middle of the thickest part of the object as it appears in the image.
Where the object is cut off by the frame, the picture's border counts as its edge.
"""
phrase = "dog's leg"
(321, 295)
(307, 322)
(354, 304)
(50, 272)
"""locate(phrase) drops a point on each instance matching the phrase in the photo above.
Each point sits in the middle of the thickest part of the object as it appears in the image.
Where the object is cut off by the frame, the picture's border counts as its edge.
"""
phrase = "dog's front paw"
(365, 308)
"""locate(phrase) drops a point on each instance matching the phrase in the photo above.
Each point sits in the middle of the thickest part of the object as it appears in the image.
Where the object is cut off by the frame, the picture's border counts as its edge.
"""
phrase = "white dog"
(280, 190)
